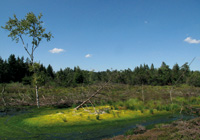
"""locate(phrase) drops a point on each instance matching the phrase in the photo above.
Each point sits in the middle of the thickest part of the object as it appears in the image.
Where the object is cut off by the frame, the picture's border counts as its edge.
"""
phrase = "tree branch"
(24, 45)
(36, 46)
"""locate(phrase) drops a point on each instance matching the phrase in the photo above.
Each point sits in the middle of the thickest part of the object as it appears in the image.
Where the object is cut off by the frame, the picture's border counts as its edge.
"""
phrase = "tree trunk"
(37, 96)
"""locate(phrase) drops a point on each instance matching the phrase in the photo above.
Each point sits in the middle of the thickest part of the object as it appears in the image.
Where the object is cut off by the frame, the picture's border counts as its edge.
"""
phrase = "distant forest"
(17, 70)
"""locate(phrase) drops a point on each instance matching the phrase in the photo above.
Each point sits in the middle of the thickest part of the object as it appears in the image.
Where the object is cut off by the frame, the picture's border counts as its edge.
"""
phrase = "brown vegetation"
(184, 130)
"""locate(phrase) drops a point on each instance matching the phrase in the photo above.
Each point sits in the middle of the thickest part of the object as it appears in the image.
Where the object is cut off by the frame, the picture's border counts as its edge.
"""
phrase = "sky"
(109, 34)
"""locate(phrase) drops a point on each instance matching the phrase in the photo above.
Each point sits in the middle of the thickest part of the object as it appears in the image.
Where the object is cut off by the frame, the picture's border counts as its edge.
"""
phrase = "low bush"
(134, 104)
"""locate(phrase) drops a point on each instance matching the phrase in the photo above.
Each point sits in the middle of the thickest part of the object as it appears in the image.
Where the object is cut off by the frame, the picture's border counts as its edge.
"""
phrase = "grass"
(18, 94)
(121, 106)
(54, 122)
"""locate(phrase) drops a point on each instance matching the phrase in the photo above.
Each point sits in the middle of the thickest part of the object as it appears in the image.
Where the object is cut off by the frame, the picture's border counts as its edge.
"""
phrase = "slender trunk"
(37, 96)
(36, 86)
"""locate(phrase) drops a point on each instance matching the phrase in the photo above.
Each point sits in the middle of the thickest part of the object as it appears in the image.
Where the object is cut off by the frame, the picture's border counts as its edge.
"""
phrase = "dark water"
(113, 130)
(117, 128)
(13, 112)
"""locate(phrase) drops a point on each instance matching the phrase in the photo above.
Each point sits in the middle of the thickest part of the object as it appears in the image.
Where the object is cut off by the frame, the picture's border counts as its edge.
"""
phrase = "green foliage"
(114, 114)
(194, 79)
(38, 77)
(50, 72)
(107, 110)
(194, 100)
(181, 100)
(31, 25)
(142, 110)
(134, 104)
(78, 75)
(15, 69)
(98, 117)
(26, 80)
(151, 111)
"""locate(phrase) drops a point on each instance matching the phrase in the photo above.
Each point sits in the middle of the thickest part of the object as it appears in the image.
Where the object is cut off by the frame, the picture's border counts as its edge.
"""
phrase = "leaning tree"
(30, 28)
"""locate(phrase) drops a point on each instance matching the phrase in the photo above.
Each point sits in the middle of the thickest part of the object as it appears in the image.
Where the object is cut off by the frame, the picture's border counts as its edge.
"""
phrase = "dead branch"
(102, 87)
(2, 94)
(176, 82)
(93, 106)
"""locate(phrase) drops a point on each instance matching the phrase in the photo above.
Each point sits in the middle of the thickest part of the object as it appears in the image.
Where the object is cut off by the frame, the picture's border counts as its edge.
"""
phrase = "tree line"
(18, 70)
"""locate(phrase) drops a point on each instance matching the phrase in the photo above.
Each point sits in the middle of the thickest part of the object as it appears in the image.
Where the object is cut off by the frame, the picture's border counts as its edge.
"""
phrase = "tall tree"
(12, 68)
(50, 72)
(185, 70)
(78, 75)
(30, 26)
(164, 73)
(1, 70)
(175, 73)
(194, 79)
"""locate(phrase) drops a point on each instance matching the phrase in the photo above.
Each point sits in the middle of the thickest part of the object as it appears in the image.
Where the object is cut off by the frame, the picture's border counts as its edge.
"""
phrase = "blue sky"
(105, 34)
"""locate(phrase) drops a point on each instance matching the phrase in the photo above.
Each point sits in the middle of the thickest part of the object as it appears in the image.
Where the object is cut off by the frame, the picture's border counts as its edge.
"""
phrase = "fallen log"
(88, 99)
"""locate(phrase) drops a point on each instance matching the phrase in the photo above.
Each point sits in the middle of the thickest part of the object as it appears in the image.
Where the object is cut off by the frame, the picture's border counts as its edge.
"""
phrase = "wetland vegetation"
(115, 111)
(126, 103)
(142, 103)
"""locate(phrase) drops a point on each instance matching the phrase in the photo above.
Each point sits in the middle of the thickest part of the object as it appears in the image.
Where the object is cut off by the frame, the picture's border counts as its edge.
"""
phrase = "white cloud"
(56, 50)
(192, 41)
(88, 55)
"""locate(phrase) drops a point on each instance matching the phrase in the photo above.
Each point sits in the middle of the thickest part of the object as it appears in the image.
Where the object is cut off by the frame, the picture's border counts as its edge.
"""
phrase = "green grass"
(125, 106)
(53, 122)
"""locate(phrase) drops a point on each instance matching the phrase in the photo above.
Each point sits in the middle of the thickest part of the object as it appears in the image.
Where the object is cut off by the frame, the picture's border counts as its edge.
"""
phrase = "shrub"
(159, 107)
(134, 104)
(175, 106)
(194, 79)
(167, 108)
(98, 117)
(181, 101)
(151, 111)
(120, 103)
(142, 110)
(27, 80)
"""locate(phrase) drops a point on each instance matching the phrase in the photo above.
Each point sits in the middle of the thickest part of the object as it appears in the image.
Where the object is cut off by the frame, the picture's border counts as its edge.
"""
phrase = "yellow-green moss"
(86, 115)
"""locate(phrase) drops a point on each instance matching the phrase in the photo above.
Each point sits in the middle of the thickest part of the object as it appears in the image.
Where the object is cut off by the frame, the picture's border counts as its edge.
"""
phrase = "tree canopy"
(30, 26)
(17, 70)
